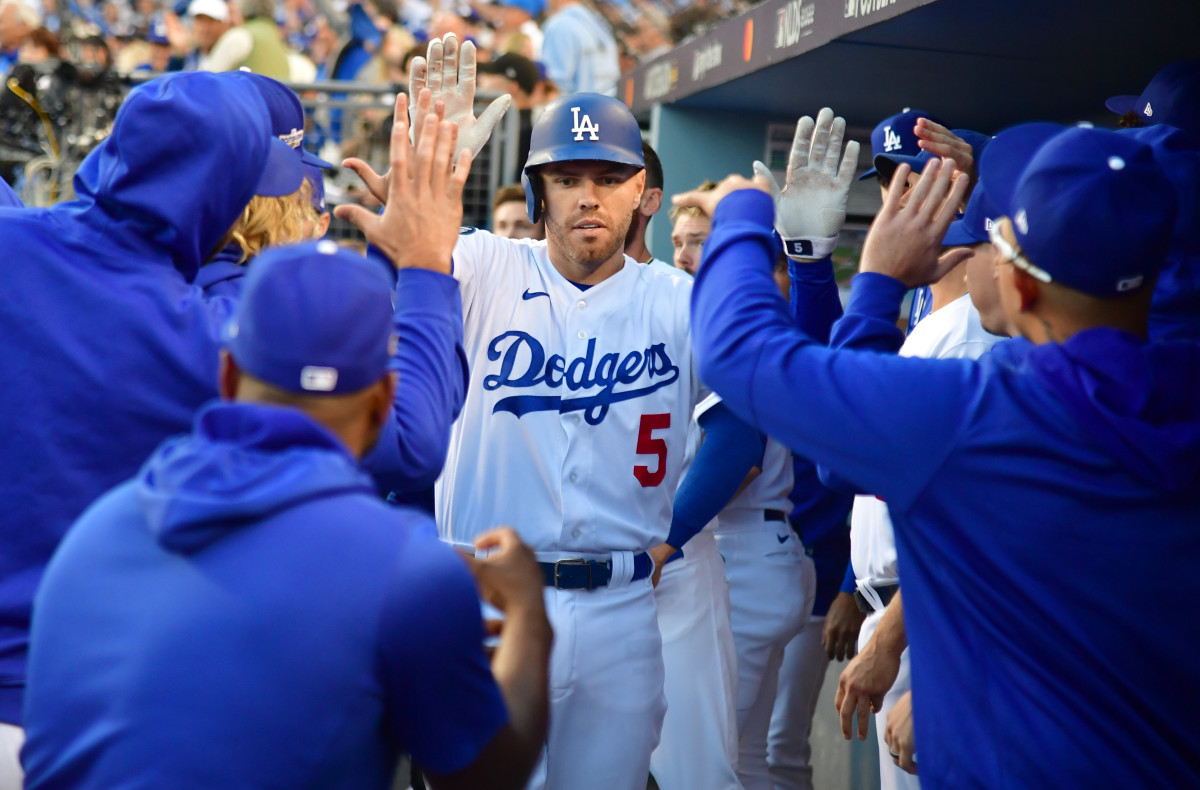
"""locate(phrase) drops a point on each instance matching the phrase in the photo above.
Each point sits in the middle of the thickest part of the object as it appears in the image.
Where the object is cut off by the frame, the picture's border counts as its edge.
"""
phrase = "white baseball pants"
(772, 584)
(698, 750)
(606, 689)
(800, 679)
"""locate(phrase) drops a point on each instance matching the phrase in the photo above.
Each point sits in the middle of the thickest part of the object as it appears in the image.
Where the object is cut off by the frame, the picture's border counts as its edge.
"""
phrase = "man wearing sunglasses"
(1044, 497)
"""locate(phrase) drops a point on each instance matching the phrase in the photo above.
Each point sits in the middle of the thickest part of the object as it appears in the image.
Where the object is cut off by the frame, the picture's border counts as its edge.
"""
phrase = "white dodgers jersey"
(576, 417)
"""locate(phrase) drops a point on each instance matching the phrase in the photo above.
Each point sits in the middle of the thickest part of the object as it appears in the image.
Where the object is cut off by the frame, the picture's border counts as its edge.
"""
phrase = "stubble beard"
(587, 256)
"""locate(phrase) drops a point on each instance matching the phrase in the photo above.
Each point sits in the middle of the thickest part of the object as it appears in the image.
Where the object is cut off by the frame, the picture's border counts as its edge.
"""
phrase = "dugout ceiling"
(980, 64)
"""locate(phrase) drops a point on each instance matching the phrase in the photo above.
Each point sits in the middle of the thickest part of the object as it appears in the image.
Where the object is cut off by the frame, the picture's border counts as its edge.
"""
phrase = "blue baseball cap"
(1172, 97)
(317, 179)
(284, 172)
(157, 32)
(893, 140)
(314, 319)
(287, 115)
(531, 7)
(886, 165)
(976, 221)
(1090, 208)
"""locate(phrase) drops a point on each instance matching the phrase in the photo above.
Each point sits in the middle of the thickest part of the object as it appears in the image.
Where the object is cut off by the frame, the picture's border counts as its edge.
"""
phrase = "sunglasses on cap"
(1014, 255)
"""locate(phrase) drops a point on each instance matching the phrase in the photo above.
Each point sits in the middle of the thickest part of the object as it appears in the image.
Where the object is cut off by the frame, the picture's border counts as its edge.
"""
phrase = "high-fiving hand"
(448, 71)
(811, 208)
(422, 193)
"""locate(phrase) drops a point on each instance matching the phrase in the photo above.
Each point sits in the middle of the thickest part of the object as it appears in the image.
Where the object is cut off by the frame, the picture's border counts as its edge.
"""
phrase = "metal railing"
(58, 122)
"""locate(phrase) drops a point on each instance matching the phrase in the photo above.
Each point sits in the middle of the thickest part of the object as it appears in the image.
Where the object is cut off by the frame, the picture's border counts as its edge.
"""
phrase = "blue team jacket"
(1046, 503)
(108, 347)
(246, 612)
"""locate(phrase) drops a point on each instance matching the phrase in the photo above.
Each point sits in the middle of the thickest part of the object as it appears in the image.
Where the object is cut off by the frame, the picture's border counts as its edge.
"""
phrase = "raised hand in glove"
(811, 208)
(449, 73)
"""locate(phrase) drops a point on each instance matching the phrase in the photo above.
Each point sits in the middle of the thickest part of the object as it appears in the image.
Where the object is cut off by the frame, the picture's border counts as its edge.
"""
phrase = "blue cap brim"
(309, 158)
(1008, 155)
(959, 235)
(1121, 104)
(284, 171)
(886, 164)
(868, 174)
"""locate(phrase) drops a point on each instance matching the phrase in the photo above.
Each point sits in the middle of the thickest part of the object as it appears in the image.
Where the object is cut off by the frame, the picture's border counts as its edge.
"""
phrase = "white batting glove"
(449, 73)
(811, 208)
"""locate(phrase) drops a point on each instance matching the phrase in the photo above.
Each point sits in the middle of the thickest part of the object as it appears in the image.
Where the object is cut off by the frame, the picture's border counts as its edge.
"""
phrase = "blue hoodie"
(1046, 504)
(430, 367)
(107, 347)
(246, 613)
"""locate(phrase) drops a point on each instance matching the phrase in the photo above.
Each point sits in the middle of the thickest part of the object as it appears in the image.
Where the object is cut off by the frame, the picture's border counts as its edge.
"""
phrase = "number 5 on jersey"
(647, 444)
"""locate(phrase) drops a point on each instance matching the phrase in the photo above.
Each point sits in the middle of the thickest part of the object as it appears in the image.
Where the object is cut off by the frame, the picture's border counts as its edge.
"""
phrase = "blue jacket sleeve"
(431, 369)
(868, 325)
(816, 304)
(846, 409)
(730, 450)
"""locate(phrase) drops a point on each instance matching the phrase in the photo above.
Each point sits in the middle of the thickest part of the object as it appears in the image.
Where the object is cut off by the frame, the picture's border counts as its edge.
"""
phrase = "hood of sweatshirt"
(242, 463)
(1139, 401)
(183, 160)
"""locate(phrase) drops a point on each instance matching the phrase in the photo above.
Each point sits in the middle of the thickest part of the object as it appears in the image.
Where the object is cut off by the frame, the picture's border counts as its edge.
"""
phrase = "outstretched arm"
(417, 231)
(842, 408)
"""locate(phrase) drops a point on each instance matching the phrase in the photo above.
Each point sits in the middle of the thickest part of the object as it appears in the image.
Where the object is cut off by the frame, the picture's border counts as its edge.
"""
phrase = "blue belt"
(590, 574)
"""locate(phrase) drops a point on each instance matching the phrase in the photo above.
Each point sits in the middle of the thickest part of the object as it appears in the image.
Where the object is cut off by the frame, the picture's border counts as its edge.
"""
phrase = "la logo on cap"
(891, 140)
(585, 126)
(1149, 110)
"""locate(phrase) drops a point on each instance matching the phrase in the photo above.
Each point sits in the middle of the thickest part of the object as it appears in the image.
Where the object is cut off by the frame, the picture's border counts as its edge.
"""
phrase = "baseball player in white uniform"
(581, 390)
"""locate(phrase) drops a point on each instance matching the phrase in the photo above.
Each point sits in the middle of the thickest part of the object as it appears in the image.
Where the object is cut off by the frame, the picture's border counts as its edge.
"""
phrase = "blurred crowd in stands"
(575, 44)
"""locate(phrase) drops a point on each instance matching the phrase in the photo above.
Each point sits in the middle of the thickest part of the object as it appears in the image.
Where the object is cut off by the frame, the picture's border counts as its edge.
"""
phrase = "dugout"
(719, 101)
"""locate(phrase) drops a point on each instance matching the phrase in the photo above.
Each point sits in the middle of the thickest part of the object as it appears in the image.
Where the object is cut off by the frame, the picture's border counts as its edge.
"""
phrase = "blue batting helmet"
(583, 126)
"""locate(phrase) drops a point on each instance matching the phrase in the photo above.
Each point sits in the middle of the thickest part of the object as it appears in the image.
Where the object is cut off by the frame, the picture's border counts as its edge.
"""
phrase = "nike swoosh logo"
(531, 294)
(782, 538)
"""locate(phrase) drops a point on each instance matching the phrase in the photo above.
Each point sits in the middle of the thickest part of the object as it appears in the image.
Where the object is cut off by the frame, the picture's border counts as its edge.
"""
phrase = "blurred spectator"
(510, 217)
(159, 57)
(255, 44)
(210, 21)
(17, 22)
(368, 23)
(519, 77)
(41, 45)
(322, 48)
(579, 50)
(510, 17)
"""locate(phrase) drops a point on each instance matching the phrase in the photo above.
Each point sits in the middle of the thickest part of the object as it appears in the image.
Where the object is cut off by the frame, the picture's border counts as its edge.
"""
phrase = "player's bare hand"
(509, 576)
(898, 734)
(660, 554)
(864, 681)
(842, 624)
(423, 215)
(905, 241)
(448, 72)
(707, 201)
(943, 143)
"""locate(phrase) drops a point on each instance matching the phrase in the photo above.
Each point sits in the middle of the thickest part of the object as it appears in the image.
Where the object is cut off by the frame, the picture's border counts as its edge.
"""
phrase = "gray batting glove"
(811, 208)
(449, 73)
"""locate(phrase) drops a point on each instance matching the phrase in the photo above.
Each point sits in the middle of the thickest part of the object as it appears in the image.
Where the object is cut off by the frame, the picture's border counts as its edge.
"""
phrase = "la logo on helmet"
(584, 127)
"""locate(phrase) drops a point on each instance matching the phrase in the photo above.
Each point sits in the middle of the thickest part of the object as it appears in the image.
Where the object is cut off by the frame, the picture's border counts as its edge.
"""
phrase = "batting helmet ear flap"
(533, 193)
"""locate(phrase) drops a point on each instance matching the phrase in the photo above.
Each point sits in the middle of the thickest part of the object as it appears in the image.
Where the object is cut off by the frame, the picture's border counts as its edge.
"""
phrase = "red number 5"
(648, 445)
